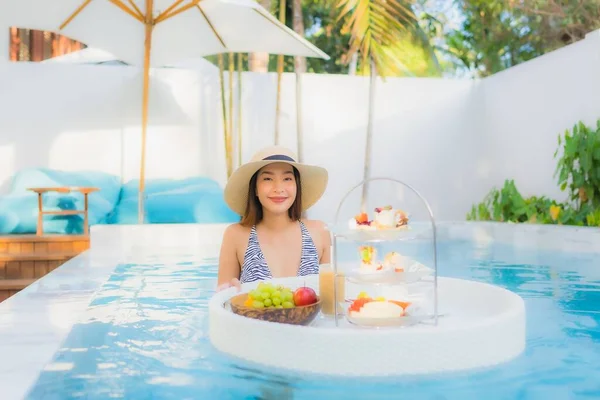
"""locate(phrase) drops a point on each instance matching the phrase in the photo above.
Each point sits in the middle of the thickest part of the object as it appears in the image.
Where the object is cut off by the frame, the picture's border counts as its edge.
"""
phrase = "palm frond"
(424, 41)
(376, 28)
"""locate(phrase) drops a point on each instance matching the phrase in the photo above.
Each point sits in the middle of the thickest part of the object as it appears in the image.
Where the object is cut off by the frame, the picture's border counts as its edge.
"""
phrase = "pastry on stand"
(393, 267)
(384, 218)
(387, 223)
(379, 311)
(392, 262)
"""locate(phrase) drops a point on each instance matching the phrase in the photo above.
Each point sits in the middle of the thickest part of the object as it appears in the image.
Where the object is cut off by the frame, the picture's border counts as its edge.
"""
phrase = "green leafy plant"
(578, 168)
(593, 218)
(508, 205)
(578, 171)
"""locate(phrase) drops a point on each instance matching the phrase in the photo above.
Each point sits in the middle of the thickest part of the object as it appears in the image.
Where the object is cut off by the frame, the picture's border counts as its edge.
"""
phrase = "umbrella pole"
(231, 133)
(145, 94)
(226, 132)
(239, 110)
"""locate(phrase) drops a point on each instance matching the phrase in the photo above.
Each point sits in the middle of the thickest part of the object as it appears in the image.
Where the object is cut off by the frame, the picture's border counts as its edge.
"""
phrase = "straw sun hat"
(313, 178)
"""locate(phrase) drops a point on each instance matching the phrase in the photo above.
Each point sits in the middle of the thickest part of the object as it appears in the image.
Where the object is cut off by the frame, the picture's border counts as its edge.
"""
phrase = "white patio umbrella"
(160, 32)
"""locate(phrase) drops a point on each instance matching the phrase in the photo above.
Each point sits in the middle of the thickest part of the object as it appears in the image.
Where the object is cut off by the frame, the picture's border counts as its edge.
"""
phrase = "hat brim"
(313, 182)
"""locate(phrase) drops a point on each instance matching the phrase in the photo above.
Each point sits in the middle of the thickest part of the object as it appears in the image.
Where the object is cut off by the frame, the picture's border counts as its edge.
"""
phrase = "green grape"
(276, 301)
(287, 304)
(265, 287)
(279, 306)
(258, 304)
(268, 302)
(265, 295)
(276, 293)
(286, 296)
(255, 295)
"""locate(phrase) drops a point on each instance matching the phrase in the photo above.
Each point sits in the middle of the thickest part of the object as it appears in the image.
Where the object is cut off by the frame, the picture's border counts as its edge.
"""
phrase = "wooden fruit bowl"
(302, 315)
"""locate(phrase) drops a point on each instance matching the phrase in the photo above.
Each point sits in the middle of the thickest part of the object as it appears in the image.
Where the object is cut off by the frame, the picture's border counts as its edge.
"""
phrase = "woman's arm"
(322, 239)
(326, 243)
(229, 266)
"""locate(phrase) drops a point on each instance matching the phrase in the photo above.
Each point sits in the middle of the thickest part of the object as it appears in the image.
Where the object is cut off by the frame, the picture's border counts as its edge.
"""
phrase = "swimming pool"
(143, 332)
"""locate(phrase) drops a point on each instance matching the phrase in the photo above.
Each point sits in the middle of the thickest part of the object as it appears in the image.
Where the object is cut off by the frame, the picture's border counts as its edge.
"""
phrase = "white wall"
(529, 105)
(451, 139)
(77, 117)
(4, 43)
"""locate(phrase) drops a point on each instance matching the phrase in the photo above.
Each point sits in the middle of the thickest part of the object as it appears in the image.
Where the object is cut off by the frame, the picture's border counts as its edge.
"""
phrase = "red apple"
(304, 296)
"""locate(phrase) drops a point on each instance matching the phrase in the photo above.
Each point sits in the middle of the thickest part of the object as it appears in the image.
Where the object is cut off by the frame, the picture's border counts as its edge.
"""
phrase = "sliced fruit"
(362, 218)
(402, 304)
(359, 303)
(366, 254)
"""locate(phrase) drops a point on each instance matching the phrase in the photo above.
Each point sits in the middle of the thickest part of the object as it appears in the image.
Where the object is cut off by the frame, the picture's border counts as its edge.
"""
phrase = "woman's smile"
(278, 199)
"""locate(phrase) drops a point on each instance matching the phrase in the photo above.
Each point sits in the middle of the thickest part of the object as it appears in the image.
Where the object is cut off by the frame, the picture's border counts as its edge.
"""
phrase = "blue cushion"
(192, 200)
(130, 189)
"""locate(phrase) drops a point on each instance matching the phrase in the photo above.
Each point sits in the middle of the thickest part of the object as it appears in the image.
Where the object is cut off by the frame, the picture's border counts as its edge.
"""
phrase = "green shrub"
(578, 172)
(578, 168)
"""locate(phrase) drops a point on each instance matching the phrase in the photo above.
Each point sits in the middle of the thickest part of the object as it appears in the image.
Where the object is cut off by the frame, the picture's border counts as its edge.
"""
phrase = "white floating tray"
(480, 325)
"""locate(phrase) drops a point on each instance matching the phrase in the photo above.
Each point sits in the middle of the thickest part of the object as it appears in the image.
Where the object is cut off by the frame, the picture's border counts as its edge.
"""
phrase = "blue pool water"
(145, 336)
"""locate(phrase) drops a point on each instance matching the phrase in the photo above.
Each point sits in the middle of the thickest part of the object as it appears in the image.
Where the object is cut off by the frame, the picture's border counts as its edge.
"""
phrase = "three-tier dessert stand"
(342, 232)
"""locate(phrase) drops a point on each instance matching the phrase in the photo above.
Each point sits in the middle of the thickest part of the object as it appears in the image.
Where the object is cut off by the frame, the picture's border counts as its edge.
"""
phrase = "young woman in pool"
(272, 240)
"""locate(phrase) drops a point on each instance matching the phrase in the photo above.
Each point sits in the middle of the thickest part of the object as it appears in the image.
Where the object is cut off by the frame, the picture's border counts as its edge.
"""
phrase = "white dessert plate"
(384, 322)
(405, 232)
(415, 272)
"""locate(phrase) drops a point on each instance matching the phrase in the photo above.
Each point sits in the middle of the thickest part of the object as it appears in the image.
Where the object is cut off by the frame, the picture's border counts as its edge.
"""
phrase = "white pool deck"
(34, 322)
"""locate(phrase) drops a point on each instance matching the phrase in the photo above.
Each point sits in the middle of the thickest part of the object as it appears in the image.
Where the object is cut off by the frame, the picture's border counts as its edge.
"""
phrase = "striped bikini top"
(255, 266)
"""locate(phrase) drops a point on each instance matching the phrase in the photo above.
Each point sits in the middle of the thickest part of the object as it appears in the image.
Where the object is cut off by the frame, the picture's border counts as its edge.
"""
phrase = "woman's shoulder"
(314, 224)
(317, 229)
(320, 235)
(236, 231)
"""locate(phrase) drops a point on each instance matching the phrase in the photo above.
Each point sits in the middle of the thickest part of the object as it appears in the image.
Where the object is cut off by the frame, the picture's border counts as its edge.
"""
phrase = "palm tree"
(280, 60)
(259, 62)
(299, 69)
(376, 27)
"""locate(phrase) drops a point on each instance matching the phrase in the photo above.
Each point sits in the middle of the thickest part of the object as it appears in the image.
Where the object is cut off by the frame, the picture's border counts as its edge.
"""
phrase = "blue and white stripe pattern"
(255, 266)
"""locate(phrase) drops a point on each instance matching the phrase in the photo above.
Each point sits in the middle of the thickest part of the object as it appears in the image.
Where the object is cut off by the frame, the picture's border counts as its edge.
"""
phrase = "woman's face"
(276, 187)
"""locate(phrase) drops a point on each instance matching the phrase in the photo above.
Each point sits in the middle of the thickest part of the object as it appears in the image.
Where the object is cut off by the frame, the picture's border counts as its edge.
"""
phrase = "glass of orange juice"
(326, 290)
